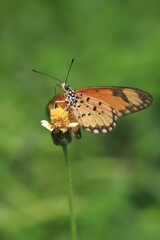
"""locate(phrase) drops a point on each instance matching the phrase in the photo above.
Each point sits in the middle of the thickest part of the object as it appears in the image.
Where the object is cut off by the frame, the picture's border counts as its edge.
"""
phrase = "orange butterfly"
(97, 109)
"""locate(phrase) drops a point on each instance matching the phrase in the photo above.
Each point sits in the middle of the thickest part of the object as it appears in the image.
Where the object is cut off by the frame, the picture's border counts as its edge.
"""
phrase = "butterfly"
(97, 109)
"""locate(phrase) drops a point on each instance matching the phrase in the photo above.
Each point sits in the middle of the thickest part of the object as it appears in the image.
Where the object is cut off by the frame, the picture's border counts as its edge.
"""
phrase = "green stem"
(70, 193)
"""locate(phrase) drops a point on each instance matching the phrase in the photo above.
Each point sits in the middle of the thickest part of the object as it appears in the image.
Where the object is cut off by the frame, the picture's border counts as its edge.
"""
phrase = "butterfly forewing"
(58, 100)
(124, 100)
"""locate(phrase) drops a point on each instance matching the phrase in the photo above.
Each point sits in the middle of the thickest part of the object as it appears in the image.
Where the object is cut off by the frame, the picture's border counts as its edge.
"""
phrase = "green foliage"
(115, 176)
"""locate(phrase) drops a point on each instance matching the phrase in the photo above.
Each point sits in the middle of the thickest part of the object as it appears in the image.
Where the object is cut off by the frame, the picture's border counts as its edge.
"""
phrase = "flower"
(60, 126)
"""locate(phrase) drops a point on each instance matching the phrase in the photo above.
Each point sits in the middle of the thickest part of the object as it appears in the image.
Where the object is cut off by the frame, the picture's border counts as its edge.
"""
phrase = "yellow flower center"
(59, 118)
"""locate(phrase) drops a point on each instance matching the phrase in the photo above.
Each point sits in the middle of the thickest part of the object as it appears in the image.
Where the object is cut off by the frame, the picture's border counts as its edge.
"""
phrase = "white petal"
(72, 125)
(47, 125)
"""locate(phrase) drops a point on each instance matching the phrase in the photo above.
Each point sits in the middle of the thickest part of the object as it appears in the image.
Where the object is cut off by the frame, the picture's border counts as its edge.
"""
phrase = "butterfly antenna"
(46, 75)
(69, 69)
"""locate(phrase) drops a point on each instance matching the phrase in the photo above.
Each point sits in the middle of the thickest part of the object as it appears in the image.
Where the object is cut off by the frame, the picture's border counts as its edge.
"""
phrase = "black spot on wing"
(120, 93)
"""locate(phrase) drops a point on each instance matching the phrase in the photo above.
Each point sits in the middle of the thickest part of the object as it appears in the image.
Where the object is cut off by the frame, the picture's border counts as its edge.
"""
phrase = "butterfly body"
(97, 109)
(69, 95)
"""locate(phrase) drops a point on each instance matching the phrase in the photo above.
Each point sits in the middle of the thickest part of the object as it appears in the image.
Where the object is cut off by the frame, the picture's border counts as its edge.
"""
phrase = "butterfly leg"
(66, 108)
(57, 85)
(56, 103)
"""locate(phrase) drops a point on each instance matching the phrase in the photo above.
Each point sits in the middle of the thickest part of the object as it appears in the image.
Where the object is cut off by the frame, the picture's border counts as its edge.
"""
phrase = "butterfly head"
(66, 87)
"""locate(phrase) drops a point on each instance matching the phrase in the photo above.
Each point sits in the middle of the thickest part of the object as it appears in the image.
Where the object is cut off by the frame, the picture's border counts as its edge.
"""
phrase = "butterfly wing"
(95, 116)
(59, 100)
(123, 99)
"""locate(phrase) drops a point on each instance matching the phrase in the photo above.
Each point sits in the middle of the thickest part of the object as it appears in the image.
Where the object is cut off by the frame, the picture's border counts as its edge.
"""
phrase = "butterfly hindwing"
(95, 116)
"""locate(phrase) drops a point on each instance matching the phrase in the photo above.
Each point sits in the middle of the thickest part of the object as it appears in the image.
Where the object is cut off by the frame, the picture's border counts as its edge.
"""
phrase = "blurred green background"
(116, 176)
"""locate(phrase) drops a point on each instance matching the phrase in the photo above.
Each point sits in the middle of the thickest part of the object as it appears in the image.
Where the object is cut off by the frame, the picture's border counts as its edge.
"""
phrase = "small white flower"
(47, 125)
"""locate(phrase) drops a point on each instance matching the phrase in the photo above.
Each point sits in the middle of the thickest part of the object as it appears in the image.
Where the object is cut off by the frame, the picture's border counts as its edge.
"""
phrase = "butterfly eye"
(66, 86)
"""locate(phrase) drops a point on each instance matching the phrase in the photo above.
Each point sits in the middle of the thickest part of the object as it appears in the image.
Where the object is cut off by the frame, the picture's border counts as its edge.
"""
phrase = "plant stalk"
(70, 193)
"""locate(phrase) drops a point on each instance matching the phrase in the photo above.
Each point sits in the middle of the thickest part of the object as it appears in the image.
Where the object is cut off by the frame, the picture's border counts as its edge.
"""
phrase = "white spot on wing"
(114, 124)
(104, 130)
(110, 129)
(88, 129)
(115, 117)
(96, 131)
